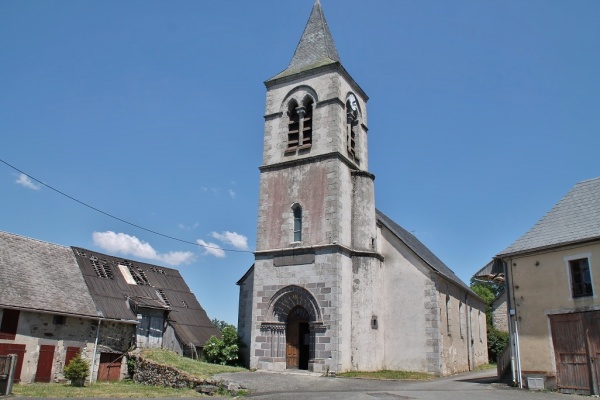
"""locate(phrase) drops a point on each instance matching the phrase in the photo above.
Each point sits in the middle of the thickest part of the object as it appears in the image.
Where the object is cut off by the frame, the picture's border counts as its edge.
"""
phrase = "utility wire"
(121, 219)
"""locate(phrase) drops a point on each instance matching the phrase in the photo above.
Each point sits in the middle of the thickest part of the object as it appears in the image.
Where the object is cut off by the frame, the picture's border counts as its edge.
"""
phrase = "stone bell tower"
(311, 299)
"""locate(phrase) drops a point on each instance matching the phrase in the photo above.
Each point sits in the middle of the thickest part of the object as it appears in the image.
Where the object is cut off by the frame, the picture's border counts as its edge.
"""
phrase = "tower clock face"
(352, 101)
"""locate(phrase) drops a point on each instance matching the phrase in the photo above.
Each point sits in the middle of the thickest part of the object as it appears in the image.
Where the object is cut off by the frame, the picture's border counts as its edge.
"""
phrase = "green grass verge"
(199, 369)
(386, 374)
(486, 367)
(123, 389)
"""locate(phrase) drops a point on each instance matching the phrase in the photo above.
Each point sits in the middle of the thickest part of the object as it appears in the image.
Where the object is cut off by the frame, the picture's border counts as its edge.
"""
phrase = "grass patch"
(127, 388)
(123, 389)
(199, 369)
(387, 374)
(486, 367)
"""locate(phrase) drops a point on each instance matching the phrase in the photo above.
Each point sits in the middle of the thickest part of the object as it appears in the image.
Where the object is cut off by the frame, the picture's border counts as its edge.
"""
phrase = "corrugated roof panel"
(111, 294)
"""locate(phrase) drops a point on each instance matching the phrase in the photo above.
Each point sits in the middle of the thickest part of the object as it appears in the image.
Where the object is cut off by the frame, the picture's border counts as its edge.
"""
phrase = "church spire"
(316, 46)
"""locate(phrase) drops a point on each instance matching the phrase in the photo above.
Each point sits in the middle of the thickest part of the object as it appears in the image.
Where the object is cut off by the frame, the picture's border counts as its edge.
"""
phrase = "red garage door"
(43, 372)
(19, 350)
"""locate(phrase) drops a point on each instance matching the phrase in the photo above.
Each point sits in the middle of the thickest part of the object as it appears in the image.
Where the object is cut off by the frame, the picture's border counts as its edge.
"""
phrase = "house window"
(352, 127)
(581, 277)
(8, 326)
(300, 125)
(59, 320)
(297, 210)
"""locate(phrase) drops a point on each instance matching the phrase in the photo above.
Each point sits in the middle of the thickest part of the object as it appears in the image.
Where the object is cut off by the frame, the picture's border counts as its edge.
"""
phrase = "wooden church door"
(297, 339)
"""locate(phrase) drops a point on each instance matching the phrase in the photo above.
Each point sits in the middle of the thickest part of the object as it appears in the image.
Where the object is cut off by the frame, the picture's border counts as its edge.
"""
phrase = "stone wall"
(150, 373)
(61, 333)
(500, 313)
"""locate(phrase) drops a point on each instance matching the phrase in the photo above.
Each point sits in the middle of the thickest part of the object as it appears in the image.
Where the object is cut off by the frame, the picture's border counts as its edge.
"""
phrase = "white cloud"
(131, 245)
(211, 248)
(238, 241)
(26, 181)
(188, 227)
(231, 193)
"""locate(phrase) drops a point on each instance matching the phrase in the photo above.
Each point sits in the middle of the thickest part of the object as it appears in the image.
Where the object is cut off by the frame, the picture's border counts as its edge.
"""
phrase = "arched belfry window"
(300, 125)
(293, 126)
(297, 213)
(352, 126)
(307, 121)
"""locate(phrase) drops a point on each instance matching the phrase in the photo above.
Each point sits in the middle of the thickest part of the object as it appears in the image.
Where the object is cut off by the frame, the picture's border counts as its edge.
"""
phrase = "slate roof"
(153, 287)
(420, 250)
(40, 276)
(575, 218)
(316, 46)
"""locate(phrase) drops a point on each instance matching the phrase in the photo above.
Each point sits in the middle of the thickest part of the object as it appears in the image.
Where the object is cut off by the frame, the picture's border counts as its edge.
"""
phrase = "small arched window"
(352, 127)
(297, 212)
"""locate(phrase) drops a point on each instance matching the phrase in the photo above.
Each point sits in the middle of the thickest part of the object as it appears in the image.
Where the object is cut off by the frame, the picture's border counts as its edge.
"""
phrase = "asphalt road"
(306, 386)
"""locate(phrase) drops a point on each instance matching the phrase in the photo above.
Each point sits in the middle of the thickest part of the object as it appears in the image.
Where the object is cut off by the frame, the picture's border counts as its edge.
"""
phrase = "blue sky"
(482, 115)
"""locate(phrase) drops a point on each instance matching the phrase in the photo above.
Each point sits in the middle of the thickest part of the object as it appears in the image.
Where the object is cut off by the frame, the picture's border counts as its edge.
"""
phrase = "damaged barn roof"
(120, 286)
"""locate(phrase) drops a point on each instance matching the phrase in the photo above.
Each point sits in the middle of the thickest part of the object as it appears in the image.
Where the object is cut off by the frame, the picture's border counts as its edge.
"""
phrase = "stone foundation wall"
(150, 373)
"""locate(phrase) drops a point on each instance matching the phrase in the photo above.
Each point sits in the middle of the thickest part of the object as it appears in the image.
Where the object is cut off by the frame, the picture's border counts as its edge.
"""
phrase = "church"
(336, 285)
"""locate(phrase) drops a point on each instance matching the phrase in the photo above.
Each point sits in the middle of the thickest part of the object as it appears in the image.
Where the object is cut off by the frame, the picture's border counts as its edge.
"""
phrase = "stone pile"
(150, 373)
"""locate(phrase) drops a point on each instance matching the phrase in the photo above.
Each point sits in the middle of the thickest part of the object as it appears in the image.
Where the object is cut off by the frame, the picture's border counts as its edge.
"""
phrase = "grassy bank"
(127, 388)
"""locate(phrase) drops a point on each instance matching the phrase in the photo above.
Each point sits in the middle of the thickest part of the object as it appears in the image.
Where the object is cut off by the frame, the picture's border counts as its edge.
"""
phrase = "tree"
(220, 324)
(223, 351)
(497, 340)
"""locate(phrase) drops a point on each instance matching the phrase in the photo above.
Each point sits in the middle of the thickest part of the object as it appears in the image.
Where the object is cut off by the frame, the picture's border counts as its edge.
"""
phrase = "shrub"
(497, 342)
(223, 351)
(77, 370)
(130, 366)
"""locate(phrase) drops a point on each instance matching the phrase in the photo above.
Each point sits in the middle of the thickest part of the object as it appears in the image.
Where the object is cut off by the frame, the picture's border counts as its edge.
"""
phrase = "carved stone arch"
(299, 93)
(292, 296)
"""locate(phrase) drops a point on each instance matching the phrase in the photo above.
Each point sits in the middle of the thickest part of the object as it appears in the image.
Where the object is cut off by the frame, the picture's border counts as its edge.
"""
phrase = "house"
(337, 285)
(552, 283)
(57, 301)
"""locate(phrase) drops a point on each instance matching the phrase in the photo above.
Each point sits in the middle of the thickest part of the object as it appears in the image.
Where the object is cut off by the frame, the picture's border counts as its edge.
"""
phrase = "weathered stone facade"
(500, 313)
(38, 329)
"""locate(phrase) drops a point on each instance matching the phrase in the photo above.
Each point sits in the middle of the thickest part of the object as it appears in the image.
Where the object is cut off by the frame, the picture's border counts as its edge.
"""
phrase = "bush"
(130, 366)
(77, 370)
(497, 342)
(223, 351)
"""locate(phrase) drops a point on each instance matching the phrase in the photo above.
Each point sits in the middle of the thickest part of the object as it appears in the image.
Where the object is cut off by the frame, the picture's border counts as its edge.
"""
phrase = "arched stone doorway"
(289, 334)
(297, 339)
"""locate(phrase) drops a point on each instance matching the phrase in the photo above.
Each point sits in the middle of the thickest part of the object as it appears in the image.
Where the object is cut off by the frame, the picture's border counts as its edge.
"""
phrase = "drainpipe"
(95, 347)
(469, 344)
(519, 377)
(515, 357)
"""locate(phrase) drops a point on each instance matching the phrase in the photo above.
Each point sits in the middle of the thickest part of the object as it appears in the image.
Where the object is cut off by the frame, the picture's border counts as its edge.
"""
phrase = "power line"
(121, 219)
